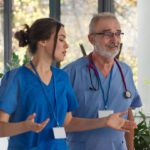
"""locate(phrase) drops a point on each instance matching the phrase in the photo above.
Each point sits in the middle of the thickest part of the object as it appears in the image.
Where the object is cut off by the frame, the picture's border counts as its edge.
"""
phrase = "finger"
(45, 122)
(125, 129)
(129, 126)
(133, 124)
(30, 117)
(40, 126)
(128, 123)
(37, 127)
(126, 126)
(122, 113)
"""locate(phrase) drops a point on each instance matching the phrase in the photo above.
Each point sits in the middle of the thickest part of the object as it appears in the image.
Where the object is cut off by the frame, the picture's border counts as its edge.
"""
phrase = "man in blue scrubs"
(103, 85)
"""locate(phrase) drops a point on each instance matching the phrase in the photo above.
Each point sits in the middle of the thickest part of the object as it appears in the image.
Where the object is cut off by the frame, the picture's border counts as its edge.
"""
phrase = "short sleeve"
(9, 92)
(72, 101)
(136, 101)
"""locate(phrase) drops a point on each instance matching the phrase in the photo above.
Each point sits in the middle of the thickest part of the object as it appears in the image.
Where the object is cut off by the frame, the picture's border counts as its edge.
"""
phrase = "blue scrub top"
(21, 95)
(91, 101)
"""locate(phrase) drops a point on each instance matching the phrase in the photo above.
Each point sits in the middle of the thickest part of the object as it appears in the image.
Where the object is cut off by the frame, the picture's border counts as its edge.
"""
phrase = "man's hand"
(116, 121)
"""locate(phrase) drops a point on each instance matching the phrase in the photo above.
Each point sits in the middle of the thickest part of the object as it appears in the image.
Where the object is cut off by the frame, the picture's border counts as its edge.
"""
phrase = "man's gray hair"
(97, 17)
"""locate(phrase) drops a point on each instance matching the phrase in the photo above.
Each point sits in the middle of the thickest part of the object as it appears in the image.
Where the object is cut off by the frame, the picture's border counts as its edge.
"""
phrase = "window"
(76, 15)
(126, 12)
(1, 36)
(26, 12)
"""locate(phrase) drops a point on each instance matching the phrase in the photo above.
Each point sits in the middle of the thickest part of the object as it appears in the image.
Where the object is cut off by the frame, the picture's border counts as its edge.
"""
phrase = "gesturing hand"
(116, 121)
(33, 126)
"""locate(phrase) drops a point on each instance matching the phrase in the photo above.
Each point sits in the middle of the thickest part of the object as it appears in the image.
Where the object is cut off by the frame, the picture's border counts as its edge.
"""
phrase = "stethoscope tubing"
(127, 94)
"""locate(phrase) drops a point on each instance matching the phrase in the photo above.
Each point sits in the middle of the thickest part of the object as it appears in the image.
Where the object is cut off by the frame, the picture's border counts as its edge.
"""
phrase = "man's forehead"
(108, 24)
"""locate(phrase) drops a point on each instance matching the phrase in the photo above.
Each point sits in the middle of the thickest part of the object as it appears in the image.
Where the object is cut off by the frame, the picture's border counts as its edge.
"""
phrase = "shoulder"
(124, 66)
(77, 64)
(59, 73)
(13, 74)
(11, 79)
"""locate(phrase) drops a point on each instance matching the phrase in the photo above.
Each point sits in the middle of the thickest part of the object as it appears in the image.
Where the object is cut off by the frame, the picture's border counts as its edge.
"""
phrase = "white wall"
(143, 49)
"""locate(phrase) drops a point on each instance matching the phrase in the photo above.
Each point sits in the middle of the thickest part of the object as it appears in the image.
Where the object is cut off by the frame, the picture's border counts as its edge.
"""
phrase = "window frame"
(54, 6)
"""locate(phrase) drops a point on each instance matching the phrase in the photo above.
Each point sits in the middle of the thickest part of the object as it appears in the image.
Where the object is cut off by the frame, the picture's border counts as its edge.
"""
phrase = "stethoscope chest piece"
(127, 94)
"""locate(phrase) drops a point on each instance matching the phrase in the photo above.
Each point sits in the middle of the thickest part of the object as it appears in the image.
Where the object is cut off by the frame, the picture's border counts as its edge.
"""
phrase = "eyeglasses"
(110, 34)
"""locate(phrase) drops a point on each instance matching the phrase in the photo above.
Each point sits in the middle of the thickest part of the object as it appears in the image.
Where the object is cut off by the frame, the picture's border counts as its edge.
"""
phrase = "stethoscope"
(91, 67)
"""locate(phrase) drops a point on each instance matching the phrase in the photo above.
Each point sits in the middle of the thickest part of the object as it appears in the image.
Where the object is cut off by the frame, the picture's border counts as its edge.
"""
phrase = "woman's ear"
(42, 43)
(91, 39)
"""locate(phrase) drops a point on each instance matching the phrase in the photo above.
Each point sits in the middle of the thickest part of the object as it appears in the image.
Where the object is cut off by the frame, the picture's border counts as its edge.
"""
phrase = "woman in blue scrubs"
(36, 99)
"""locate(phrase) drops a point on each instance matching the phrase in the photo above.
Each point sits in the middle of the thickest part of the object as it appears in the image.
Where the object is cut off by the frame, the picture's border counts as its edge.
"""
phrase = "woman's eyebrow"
(62, 35)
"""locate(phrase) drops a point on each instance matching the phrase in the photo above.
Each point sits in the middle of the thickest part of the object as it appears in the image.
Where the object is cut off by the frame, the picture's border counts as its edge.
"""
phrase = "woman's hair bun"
(23, 36)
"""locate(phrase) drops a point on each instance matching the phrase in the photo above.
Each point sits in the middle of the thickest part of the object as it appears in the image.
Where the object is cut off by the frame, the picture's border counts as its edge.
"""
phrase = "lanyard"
(105, 99)
(46, 95)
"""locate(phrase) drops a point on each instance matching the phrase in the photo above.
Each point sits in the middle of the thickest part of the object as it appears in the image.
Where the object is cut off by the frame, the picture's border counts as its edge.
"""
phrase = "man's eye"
(111, 34)
(108, 33)
(118, 34)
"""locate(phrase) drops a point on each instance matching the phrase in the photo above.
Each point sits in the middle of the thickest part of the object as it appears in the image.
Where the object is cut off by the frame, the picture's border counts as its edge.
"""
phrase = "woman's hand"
(116, 121)
(33, 126)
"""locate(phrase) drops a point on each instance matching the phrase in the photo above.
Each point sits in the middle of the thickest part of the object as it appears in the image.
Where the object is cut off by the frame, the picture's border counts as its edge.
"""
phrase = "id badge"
(59, 133)
(105, 113)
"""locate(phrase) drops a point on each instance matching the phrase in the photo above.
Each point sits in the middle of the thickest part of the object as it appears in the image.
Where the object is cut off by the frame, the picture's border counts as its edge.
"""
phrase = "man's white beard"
(105, 53)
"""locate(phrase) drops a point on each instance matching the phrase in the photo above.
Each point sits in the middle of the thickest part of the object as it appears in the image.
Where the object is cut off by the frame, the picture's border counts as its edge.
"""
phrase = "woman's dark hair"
(41, 29)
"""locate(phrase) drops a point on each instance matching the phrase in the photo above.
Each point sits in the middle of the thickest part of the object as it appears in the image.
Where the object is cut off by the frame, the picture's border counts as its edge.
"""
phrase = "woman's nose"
(66, 45)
